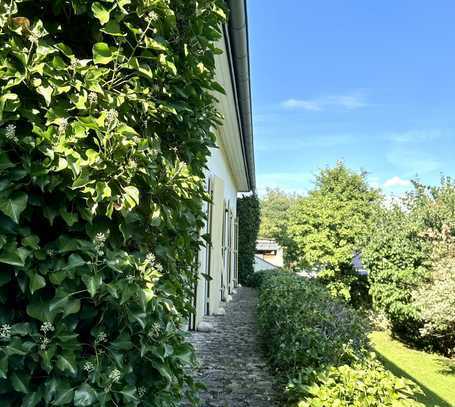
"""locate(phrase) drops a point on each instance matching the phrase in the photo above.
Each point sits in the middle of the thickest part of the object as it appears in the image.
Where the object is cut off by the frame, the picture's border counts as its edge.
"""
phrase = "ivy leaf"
(67, 363)
(5, 277)
(36, 282)
(113, 28)
(32, 399)
(85, 395)
(4, 367)
(102, 53)
(19, 382)
(131, 196)
(13, 256)
(93, 283)
(46, 93)
(14, 205)
(100, 12)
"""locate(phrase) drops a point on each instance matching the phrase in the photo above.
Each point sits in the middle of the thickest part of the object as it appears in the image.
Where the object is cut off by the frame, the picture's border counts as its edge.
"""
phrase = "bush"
(397, 260)
(435, 301)
(365, 384)
(304, 325)
(106, 111)
(249, 220)
(320, 345)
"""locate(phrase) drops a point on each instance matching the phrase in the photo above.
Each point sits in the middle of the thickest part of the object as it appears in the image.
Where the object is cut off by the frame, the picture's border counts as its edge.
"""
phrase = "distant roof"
(267, 244)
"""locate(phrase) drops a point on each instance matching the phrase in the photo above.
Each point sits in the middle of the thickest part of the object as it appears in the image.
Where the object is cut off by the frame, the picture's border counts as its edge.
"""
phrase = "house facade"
(230, 170)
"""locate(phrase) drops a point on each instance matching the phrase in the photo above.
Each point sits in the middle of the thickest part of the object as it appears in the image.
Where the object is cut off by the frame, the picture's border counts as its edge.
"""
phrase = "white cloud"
(313, 105)
(349, 102)
(415, 136)
(397, 182)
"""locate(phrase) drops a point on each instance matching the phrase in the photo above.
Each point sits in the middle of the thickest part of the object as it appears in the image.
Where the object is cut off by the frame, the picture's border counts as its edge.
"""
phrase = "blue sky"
(370, 83)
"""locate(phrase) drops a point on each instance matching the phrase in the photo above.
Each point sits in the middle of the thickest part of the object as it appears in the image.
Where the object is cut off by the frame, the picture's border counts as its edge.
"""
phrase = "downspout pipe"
(238, 32)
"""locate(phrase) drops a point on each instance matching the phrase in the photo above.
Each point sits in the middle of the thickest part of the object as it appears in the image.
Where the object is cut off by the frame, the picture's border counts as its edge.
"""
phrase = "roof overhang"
(239, 50)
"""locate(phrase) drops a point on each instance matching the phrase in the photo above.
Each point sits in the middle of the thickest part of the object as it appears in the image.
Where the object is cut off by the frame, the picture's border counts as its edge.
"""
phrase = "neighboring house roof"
(261, 264)
(266, 245)
(238, 36)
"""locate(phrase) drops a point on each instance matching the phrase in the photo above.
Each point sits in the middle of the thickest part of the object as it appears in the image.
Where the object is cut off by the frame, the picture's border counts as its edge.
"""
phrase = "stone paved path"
(232, 364)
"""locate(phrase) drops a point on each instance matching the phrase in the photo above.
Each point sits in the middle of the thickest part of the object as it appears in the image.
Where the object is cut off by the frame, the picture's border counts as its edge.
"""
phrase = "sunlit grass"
(433, 373)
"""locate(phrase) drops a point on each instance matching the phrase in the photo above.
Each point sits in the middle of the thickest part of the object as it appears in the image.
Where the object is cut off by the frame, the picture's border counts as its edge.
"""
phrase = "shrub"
(249, 220)
(303, 325)
(435, 301)
(397, 260)
(320, 345)
(364, 384)
(106, 111)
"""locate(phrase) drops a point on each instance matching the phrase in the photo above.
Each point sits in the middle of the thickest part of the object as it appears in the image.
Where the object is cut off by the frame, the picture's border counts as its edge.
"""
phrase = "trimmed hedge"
(319, 344)
(248, 211)
(106, 111)
(305, 326)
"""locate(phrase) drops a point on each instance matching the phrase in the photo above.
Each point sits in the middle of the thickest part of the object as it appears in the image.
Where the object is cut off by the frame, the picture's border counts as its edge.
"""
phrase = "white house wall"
(228, 176)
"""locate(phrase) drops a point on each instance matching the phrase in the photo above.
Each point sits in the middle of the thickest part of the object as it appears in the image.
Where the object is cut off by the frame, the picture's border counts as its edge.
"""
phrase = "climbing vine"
(106, 111)
(249, 221)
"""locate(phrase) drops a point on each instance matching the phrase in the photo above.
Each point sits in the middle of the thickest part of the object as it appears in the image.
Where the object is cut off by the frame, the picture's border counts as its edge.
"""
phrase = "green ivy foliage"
(106, 111)
(248, 212)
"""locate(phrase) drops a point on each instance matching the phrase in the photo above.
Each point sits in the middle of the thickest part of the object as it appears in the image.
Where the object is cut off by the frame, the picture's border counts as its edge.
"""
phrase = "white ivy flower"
(5, 331)
(47, 327)
(63, 125)
(101, 337)
(115, 376)
(45, 341)
(50, 252)
(10, 131)
(141, 391)
(150, 258)
(155, 330)
(88, 367)
(92, 98)
(111, 118)
(153, 16)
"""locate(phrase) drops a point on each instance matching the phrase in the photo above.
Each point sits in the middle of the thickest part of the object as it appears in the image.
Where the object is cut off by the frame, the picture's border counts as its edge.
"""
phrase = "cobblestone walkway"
(232, 364)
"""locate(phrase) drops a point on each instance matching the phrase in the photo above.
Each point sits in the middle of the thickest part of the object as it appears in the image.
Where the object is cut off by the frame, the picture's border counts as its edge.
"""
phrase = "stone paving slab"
(232, 365)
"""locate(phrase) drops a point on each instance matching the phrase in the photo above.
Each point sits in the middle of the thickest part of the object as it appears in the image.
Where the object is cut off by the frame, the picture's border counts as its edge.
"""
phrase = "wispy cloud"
(415, 136)
(397, 182)
(413, 162)
(350, 101)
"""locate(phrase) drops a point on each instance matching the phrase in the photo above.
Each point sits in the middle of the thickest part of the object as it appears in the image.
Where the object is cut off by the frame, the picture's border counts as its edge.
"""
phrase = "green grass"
(433, 373)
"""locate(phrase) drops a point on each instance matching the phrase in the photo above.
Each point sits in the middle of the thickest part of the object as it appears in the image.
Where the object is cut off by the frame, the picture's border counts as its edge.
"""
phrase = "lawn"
(433, 373)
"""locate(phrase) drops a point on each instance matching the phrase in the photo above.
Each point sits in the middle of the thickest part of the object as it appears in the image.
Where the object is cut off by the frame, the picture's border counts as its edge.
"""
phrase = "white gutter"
(238, 29)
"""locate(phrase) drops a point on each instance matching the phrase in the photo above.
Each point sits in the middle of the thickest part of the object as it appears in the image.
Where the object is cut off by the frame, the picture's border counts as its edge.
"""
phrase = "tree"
(329, 224)
(275, 212)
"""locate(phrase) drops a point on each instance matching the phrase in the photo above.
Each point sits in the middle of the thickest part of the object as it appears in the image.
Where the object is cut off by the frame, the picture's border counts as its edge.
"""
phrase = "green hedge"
(248, 212)
(106, 111)
(319, 345)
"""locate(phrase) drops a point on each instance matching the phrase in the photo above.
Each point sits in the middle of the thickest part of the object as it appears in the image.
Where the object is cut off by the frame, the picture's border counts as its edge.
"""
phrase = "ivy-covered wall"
(105, 116)
(248, 213)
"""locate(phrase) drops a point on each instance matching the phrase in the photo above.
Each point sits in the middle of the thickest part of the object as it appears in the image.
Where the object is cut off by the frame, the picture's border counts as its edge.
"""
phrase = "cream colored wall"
(227, 171)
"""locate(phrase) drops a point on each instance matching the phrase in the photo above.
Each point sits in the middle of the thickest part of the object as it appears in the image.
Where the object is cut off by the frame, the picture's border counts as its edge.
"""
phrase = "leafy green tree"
(330, 223)
(275, 212)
